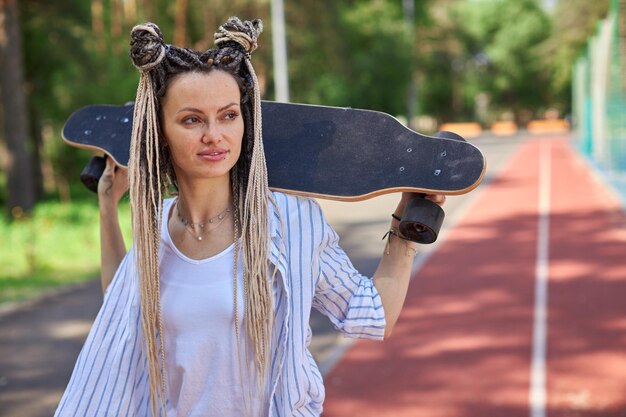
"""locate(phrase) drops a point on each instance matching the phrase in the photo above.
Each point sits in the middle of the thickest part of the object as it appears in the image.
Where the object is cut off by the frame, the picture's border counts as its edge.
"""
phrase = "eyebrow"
(193, 109)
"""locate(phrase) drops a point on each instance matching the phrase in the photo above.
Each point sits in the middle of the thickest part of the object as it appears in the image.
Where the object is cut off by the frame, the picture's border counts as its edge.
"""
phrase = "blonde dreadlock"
(150, 169)
(254, 233)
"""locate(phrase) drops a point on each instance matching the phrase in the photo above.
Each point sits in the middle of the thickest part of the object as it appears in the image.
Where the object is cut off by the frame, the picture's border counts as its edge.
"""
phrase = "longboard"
(319, 151)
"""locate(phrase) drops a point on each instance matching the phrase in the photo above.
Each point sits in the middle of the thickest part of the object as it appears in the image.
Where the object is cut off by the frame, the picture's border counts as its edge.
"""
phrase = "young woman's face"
(203, 124)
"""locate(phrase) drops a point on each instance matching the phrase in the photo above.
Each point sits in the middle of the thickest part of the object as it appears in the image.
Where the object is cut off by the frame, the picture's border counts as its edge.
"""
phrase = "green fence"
(599, 94)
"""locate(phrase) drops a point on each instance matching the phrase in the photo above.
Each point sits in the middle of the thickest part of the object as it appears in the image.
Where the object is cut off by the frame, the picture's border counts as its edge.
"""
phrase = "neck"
(202, 200)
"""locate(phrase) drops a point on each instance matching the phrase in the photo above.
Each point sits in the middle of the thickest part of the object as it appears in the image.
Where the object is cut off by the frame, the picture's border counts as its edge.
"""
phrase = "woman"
(222, 277)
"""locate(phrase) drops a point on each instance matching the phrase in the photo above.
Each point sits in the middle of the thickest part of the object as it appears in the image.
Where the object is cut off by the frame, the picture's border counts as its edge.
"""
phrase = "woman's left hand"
(439, 199)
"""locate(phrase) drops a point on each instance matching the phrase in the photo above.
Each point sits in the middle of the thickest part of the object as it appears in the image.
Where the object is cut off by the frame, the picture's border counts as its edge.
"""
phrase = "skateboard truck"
(92, 172)
(421, 220)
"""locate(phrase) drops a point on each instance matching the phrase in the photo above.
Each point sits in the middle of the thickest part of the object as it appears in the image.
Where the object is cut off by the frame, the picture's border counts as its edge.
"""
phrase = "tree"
(349, 53)
(500, 39)
(21, 184)
(574, 22)
(180, 23)
(440, 57)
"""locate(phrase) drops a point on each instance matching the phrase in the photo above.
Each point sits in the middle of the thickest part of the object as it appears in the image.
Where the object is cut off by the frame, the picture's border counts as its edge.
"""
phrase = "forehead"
(202, 89)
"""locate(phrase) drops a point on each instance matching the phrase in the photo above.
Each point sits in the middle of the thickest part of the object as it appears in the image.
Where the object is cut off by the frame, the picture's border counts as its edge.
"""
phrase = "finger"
(110, 166)
(436, 198)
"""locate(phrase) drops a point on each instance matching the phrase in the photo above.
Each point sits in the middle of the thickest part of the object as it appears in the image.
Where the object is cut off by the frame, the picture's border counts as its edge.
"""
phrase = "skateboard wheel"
(421, 220)
(92, 172)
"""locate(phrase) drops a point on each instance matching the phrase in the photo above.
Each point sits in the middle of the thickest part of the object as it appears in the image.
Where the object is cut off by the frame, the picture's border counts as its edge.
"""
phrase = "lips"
(213, 154)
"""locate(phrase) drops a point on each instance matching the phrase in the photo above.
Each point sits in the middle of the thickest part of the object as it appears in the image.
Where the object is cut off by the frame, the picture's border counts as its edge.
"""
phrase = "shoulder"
(295, 212)
(288, 204)
(166, 208)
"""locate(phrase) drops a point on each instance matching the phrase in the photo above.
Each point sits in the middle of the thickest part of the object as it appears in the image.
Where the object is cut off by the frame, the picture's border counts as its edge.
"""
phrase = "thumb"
(110, 166)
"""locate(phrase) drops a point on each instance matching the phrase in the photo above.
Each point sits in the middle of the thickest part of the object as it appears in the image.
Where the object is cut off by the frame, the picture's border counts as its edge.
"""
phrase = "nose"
(211, 133)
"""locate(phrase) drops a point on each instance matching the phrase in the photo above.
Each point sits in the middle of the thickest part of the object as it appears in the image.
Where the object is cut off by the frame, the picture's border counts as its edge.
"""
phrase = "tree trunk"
(117, 19)
(97, 22)
(21, 189)
(130, 11)
(149, 10)
(4, 152)
(37, 149)
(180, 24)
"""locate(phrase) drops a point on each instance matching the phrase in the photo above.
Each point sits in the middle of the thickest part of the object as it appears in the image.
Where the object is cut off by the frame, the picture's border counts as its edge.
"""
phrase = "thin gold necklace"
(198, 229)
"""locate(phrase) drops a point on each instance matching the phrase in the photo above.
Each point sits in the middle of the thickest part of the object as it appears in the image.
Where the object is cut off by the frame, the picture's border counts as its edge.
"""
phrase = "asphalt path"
(519, 313)
(40, 340)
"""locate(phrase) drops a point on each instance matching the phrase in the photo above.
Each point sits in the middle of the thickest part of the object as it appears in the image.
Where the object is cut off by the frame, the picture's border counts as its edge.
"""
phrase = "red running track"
(463, 344)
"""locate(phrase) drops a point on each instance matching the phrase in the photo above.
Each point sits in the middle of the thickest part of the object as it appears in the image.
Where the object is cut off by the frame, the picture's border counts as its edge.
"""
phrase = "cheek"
(238, 138)
(178, 140)
(177, 151)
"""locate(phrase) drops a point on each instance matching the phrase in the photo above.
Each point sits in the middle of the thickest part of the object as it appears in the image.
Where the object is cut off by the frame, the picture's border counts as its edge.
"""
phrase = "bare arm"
(392, 276)
(112, 186)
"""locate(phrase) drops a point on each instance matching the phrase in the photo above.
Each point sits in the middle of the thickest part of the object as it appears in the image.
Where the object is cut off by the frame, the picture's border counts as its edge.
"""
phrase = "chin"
(214, 174)
(205, 172)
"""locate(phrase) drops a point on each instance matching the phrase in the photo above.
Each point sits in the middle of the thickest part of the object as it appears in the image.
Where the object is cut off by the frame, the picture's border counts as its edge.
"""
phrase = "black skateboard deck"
(318, 151)
(327, 152)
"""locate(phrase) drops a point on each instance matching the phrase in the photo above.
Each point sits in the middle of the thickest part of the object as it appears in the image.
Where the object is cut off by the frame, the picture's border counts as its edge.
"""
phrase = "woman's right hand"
(113, 184)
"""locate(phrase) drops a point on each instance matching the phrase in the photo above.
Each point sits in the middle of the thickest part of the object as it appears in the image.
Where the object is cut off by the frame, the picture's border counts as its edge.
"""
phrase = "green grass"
(59, 244)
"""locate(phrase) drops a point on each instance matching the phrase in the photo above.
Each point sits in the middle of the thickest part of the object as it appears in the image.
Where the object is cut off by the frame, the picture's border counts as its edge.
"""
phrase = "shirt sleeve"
(347, 298)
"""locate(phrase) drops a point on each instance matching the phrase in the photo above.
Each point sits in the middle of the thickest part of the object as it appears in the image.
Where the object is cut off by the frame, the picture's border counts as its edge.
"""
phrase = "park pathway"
(39, 343)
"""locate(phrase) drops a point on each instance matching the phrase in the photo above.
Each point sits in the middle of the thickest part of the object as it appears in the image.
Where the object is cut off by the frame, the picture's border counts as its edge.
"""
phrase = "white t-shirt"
(201, 348)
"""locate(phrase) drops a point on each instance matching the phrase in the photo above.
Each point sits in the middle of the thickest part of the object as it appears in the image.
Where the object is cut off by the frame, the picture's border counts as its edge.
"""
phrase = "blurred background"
(494, 69)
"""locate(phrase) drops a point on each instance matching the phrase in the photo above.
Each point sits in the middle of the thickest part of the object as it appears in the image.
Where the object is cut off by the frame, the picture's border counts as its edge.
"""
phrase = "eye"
(191, 120)
(231, 115)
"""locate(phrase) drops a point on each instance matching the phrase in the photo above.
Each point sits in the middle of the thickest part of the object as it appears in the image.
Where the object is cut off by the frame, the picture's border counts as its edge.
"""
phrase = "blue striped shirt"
(110, 376)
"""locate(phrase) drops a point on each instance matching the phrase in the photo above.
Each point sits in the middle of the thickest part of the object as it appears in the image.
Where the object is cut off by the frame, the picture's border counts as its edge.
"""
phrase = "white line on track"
(537, 394)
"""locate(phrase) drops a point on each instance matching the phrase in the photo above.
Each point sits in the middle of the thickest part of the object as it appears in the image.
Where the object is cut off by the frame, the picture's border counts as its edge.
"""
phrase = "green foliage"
(57, 245)
(67, 68)
(380, 51)
(575, 21)
(360, 55)
(500, 39)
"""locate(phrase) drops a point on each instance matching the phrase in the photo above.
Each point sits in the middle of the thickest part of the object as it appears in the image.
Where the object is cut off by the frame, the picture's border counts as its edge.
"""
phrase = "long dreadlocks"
(151, 172)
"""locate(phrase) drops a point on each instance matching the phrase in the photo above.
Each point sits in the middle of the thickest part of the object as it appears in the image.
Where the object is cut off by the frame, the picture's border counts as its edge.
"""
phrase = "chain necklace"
(197, 229)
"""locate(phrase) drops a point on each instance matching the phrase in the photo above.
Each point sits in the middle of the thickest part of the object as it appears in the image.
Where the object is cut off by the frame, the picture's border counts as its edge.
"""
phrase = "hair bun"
(147, 47)
(245, 33)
